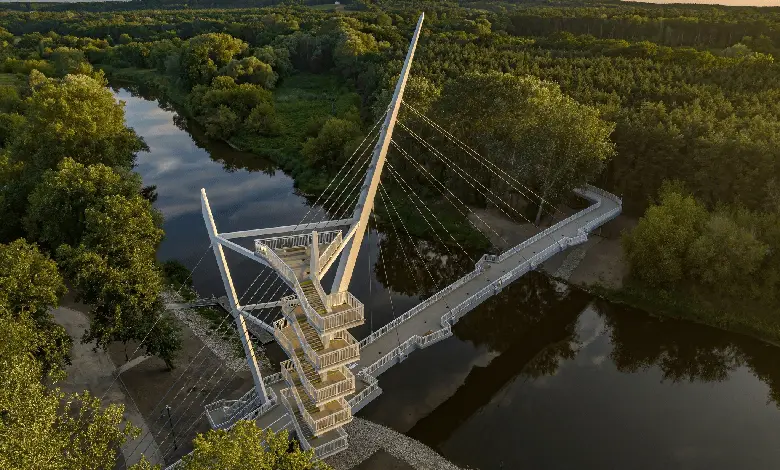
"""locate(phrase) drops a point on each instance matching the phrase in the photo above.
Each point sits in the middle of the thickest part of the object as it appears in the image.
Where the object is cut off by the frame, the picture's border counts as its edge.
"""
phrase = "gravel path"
(366, 438)
(215, 342)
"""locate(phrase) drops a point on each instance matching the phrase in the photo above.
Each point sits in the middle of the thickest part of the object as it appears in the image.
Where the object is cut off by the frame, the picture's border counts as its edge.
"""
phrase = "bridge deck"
(384, 346)
(429, 322)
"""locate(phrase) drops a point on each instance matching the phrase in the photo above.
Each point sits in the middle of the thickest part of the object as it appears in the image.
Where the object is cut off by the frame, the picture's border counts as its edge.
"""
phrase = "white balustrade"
(321, 425)
(297, 240)
(330, 250)
(332, 447)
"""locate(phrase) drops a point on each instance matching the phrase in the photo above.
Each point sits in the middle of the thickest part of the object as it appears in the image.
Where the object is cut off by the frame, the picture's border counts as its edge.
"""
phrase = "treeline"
(66, 184)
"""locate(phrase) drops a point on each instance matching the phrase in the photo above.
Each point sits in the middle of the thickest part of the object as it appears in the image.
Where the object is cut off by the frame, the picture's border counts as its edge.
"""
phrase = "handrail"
(328, 252)
(318, 395)
(300, 239)
(321, 425)
(481, 263)
(301, 437)
(332, 447)
(352, 350)
(292, 280)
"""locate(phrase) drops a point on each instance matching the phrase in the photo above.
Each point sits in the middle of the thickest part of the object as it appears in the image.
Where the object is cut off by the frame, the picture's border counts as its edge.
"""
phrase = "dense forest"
(676, 109)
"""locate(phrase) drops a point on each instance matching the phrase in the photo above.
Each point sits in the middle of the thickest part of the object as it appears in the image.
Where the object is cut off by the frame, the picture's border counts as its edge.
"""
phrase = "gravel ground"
(573, 259)
(217, 344)
(366, 438)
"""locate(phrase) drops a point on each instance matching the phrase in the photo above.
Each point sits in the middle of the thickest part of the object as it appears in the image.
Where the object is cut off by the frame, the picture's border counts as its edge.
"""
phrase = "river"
(542, 376)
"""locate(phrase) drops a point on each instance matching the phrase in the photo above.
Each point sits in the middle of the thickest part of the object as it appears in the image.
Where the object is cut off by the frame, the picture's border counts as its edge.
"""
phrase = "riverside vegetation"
(674, 108)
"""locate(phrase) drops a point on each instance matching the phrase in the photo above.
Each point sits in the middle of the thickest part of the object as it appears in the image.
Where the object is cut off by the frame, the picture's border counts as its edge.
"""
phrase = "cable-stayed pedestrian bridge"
(330, 375)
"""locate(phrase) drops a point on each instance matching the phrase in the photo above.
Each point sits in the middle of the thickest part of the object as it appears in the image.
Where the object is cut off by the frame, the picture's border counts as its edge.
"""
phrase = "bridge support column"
(230, 291)
(314, 262)
(368, 191)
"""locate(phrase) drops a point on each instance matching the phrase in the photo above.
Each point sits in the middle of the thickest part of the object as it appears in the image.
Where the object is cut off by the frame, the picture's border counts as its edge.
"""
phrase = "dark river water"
(543, 376)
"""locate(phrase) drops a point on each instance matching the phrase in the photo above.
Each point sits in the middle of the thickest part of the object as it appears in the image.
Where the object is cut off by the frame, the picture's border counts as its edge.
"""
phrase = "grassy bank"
(301, 100)
(742, 316)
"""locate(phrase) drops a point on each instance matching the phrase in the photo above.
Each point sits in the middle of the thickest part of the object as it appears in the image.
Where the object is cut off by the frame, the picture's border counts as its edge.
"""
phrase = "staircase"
(315, 374)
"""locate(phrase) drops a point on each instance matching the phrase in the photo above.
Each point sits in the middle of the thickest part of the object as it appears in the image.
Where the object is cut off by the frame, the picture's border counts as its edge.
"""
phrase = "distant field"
(328, 7)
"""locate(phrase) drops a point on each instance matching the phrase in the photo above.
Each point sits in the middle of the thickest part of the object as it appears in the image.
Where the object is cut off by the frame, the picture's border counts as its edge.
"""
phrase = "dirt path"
(94, 371)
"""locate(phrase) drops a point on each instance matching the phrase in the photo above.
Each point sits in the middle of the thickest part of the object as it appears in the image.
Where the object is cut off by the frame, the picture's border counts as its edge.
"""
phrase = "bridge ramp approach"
(431, 321)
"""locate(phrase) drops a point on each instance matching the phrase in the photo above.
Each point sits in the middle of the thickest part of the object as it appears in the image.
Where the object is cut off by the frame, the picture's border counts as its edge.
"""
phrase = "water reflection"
(546, 377)
(542, 376)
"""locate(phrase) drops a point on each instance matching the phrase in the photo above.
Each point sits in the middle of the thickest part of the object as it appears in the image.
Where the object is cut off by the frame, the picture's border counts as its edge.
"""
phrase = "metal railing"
(330, 250)
(301, 239)
(298, 431)
(451, 317)
(323, 394)
(420, 307)
(350, 352)
(373, 385)
(333, 447)
(492, 258)
(324, 424)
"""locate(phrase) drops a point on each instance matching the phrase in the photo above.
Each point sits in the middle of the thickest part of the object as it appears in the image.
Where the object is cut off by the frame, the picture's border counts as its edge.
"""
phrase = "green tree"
(726, 255)
(75, 117)
(332, 143)
(30, 286)
(530, 128)
(203, 55)
(114, 270)
(657, 248)
(251, 70)
(57, 207)
(41, 427)
(247, 447)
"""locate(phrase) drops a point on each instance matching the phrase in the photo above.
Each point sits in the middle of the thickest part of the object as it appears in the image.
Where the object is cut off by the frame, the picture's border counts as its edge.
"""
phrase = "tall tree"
(527, 126)
(247, 447)
(30, 286)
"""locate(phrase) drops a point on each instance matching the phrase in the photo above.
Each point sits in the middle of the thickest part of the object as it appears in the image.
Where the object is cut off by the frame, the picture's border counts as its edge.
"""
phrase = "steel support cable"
(187, 385)
(194, 400)
(403, 184)
(446, 160)
(191, 362)
(441, 156)
(340, 170)
(397, 178)
(345, 203)
(159, 317)
(203, 400)
(441, 186)
(338, 191)
(465, 175)
(480, 218)
(474, 154)
(383, 194)
(389, 294)
(192, 388)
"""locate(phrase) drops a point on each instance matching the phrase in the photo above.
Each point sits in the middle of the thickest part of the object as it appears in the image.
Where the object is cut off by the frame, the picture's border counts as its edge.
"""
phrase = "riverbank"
(600, 268)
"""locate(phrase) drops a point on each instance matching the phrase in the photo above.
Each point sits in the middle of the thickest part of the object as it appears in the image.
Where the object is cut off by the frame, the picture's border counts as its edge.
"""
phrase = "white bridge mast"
(367, 193)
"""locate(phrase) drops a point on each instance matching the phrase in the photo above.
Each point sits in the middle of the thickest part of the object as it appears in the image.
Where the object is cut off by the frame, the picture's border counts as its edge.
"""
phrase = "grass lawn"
(299, 100)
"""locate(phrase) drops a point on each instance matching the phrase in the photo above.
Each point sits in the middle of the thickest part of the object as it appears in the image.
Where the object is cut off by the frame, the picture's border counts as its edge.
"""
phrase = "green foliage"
(246, 447)
(334, 143)
(251, 70)
(75, 117)
(30, 285)
(657, 249)
(203, 55)
(43, 427)
(533, 131)
(57, 207)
